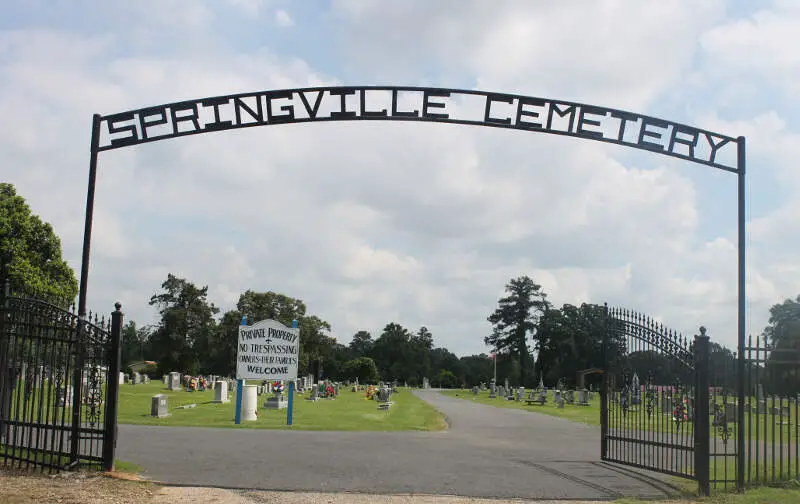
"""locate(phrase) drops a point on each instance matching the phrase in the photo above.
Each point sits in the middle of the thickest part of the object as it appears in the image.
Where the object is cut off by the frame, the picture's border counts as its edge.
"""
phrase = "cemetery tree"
(446, 379)
(443, 359)
(515, 318)
(722, 363)
(182, 337)
(135, 343)
(270, 305)
(477, 369)
(783, 336)
(421, 345)
(570, 340)
(222, 357)
(30, 250)
(315, 343)
(393, 356)
(361, 368)
(362, 344)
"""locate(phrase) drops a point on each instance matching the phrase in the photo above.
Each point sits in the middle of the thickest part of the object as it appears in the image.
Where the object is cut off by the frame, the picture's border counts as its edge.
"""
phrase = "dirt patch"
(72, 488)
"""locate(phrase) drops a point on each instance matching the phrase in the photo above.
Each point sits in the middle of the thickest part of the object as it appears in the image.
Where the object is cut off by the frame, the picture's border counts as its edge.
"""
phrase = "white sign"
(267, 350)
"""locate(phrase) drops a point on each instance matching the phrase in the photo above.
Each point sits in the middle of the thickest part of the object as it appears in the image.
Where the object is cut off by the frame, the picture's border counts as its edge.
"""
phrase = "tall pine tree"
(515, 318)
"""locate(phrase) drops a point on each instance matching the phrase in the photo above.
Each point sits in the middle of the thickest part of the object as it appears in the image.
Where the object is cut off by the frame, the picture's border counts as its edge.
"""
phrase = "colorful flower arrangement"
(277, 387)
(371, 391)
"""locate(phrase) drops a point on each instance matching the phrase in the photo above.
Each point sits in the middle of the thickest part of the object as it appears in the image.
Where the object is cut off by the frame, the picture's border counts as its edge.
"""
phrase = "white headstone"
(221, 392)
(121, 378)
(249, 403)
(174, 381)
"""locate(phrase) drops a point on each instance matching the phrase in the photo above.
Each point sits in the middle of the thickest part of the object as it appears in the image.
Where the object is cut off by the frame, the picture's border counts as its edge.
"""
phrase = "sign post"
(240, 383)
(267, 350)
(291, 389)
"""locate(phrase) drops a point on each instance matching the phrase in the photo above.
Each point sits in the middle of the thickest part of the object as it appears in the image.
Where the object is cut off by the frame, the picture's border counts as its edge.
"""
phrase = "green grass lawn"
(584, 414)
(760, 427)
(350, 411)
(762, 495)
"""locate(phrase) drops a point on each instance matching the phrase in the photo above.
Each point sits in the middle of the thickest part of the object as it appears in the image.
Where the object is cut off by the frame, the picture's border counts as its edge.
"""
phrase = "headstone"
(730, 412)
(583, 397)
(121, 378)
(137, 378)
(636, 390)
(570, 396)
(159, 406)
(221, 392)
(506, 384)
(666, 403)
(165, 379)
(174, 381)
(64, 396)
(314, 394)
(475, 390)
(761, 402)
(520, 393)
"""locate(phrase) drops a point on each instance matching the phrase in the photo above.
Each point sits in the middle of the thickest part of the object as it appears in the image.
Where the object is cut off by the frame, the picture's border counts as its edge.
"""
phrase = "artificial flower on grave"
(330, 391)
(277, 387)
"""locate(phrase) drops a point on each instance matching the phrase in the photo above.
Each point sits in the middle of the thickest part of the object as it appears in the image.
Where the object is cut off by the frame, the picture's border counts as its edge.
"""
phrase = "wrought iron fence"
(652, 406)
(59, 380)
(771, 412)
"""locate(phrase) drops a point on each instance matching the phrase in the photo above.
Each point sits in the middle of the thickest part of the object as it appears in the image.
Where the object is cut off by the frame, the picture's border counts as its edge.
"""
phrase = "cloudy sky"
(422, 224)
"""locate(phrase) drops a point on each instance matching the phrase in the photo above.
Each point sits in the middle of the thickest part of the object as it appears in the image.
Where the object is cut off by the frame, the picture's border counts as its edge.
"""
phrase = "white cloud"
(418, 223)
(250, 7)
(283, 18)
(759, 44)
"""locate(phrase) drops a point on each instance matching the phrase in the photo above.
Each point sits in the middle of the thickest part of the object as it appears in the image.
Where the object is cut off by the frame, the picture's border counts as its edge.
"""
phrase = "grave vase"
(249, 403)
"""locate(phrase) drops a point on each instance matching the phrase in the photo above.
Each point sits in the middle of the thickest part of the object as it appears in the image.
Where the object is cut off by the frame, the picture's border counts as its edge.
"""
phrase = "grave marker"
(221, 392)
(159, 406)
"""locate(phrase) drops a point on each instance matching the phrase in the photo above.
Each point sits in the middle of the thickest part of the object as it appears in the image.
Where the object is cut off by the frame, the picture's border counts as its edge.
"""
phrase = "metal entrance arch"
(426, 104)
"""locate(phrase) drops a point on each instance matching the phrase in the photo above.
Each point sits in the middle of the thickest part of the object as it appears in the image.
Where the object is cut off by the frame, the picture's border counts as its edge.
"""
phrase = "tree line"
(531, 339)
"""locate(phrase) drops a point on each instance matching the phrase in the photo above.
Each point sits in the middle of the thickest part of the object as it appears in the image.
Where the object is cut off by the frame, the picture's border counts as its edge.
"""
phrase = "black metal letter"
(312, 112)
(113, 128)
(398, 113)
(159, 115)
(487, 114)
(644, 132)
(370, 113)
(289, 109)
(427, 104)
(714, 146)
(217, 124)
(691, 143)
(534, 102)
(191, 117)
(555, 108)
(343, 113)
(582, 121)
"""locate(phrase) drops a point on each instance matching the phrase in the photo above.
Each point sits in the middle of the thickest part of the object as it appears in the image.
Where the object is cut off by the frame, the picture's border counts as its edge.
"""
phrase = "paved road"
(487, 452)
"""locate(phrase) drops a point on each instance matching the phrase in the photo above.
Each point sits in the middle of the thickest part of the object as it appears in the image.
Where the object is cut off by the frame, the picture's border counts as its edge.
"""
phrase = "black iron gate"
(654, 408)
(59, 383)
